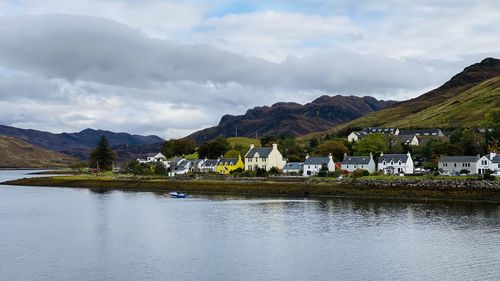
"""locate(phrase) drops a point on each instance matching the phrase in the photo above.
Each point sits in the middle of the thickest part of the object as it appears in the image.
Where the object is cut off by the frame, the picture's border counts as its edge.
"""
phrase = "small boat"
(178, 194)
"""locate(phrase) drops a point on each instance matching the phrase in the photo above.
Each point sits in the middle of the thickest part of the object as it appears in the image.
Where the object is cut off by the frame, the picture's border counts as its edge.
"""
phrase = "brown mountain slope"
(16, 153)
(292, 119)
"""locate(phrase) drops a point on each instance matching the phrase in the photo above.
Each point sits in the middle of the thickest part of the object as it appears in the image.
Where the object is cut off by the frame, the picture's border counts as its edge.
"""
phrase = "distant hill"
(16, 153)
(462, 101)
(292, 119)
(78, 144)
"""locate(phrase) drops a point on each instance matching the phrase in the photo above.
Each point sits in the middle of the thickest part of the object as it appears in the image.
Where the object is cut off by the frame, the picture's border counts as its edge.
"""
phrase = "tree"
(232, 153)
(178, 147)
(214, 149)
(102, 156)
(374, 143)
(336, 147)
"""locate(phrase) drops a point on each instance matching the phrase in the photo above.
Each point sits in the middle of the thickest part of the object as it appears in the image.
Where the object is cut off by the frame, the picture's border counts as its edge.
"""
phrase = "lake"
(75, 234)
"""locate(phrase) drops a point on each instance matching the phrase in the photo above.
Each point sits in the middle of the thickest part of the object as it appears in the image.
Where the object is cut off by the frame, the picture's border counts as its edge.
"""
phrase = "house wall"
(312, 170)
(352, 137)
(351, 168)
(483, 165)
(450, 168)
(227, 169)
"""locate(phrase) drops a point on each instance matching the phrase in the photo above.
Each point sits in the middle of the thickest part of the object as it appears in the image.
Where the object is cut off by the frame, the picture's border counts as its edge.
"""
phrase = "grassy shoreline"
(264, 188)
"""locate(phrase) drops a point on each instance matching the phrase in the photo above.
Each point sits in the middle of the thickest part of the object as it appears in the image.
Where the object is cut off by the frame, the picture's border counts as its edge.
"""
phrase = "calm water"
(68, 234)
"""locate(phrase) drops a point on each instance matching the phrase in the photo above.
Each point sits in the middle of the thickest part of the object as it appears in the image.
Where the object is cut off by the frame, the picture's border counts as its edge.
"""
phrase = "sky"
(170, 68)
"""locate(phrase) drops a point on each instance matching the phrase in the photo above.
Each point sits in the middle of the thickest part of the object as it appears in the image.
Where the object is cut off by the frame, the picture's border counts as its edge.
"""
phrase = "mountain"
(462, 101)
(76, 144)
(292, 119)
(16, 153)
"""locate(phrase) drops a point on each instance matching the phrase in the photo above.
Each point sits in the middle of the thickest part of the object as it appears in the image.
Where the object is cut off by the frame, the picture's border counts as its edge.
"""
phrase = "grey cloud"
(91, 49)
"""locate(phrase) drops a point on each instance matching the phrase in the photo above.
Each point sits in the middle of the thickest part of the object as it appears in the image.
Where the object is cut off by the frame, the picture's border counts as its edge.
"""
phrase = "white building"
(396, 163)
(152, 158)
(353, 163)
(209, 166)
(313, 165)
(491, 162)
(264, 158)
(356, 136)
(452, 165)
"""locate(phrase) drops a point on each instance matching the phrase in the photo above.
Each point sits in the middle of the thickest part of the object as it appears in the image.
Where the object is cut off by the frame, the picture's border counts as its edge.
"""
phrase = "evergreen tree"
(102, 155)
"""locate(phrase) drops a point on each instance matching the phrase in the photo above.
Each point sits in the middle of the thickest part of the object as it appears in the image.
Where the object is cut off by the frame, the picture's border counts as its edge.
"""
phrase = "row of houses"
(268, 157)
(406, 137)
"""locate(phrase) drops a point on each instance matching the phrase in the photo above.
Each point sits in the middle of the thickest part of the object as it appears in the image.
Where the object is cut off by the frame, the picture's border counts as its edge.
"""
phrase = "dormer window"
(392, 162)
(399, 162)
(384, 163)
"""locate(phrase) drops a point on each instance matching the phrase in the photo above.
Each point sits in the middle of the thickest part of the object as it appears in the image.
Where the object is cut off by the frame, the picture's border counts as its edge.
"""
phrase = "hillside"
(462, 101)
(16, 153)
(292, 119)
(78, 144)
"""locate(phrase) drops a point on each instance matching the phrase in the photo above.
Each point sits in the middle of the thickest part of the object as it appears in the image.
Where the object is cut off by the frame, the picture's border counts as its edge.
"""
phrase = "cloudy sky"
(172, 67)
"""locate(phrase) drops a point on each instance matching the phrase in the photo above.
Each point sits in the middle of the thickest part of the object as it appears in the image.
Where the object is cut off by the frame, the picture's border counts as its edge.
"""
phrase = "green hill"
(462, 101)
(244, 142)
(16, 153)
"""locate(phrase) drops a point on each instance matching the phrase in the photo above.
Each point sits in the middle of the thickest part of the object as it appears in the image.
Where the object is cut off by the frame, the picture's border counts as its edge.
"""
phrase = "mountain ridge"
(292, 119)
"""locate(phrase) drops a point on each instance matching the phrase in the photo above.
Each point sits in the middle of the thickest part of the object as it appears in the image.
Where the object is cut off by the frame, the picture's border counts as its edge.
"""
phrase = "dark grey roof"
(403, 138)
(356, 160)
(262, 151)
(360, 133)
(184, 164)
(293, 166)
(496, 158)
(458, 159)
(210, 163)
(228, 161)
(393, 157)
(317, 161)
(422, 132)
(380, 130)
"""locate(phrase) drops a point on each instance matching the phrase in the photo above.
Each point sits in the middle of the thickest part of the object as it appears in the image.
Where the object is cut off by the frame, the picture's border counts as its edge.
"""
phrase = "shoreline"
(483, 191)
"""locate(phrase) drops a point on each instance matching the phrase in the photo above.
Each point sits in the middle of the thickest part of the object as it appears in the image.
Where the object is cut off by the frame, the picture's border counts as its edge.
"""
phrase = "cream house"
(264, 158)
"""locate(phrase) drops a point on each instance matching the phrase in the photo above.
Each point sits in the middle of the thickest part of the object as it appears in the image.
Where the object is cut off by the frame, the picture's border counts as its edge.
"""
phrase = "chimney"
(492, 155)
(381, 154)
(307, 156)
(330, 157)
(345, 155)
(275, 146)
(371, 155)
(252, 146)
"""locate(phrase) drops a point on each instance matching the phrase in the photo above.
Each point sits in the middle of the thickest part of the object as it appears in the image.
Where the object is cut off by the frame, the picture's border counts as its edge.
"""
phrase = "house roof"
(422, 132)
(293, 166)
(228, 161)
(360, 133)
(356, 160)
(458, 159)
(403, 138)
(495, 159)
(317, 160)
(380, 130)
(262, 151)
(184, 164)
(210, 163)
(393, 157)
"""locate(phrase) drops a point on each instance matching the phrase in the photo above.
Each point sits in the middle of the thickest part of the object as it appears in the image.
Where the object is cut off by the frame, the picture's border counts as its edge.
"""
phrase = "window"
(455, 165)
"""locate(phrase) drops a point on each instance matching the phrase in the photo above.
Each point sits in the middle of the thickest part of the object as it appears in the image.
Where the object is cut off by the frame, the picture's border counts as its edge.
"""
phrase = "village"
(269, 160)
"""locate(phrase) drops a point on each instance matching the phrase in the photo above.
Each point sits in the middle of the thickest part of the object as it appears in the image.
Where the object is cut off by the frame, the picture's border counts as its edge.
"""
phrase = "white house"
(452, 165)
(209, 166)
(406, 139)
(355, 136)
(264, 158)
(491, 162)
(352, 163)
(152, 158)
(293, 168)
(313, 165)
(396, 163)
(182, 167)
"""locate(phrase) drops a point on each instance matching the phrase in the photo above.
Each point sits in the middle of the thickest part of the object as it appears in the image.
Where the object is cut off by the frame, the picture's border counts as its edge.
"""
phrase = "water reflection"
(77, 234)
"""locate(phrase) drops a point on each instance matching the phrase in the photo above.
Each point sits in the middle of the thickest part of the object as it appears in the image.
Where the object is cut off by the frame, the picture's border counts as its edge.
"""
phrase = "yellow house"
(227, 165)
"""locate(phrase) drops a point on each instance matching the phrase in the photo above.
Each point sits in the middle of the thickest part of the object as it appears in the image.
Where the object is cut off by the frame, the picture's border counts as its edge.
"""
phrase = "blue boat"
(178, 194)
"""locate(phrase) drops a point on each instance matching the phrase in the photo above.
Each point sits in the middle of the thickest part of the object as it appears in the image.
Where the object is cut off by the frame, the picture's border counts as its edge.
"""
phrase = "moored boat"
(178, 194)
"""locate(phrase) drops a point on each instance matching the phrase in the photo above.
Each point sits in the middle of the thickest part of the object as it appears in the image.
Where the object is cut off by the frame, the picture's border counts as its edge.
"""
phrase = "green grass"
(245, 142)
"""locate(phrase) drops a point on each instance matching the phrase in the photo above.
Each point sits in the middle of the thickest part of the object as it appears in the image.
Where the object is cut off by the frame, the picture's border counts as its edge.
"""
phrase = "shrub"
(274, 171)
(248, 173)
(260, 172)
(488, 175)
(360, 173)
(464, 171)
